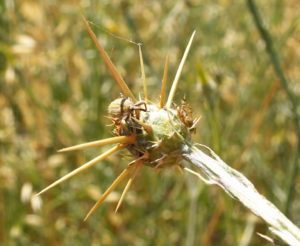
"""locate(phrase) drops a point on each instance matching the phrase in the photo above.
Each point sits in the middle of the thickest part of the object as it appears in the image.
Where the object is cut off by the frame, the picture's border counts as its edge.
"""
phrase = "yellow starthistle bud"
(154, 135)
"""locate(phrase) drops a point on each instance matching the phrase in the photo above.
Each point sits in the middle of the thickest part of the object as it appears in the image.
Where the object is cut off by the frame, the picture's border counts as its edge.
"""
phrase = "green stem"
(285, 84)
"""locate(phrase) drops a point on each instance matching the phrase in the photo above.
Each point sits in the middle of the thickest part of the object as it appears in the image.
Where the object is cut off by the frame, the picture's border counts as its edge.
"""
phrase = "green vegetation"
(55, 89)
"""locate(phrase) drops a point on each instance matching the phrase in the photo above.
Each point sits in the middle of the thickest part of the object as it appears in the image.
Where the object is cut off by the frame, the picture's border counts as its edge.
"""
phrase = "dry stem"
(240, 188)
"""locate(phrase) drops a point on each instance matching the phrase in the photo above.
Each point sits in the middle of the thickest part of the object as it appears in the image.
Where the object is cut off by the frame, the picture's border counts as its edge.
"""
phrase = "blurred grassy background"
(54, 92)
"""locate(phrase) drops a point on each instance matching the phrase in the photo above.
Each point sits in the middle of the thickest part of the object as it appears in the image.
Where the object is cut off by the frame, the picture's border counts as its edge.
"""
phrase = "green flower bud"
(161, 146)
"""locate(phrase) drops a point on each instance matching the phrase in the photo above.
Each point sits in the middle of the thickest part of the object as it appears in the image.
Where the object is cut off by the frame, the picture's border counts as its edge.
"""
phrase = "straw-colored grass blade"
(111, 66)
(84, 167)
(138, 166)
(178, 73)
(113, 140)
(164, 82)
(109, 190)
(143, 73)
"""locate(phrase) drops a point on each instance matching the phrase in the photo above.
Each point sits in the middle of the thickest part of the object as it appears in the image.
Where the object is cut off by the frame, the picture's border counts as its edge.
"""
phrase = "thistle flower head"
(161, 146)
(154, 135)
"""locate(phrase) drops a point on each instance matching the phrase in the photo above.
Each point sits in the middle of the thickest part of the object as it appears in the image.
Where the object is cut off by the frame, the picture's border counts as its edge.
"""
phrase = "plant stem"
(277, 68)
(239, 187)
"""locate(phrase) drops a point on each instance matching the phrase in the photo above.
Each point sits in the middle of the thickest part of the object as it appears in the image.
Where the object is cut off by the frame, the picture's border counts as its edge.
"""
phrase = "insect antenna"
(164, 81)
(84, 166)
(138, 166)
(179, 70)
(113, 140)
(109, 190)
(109, 63)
